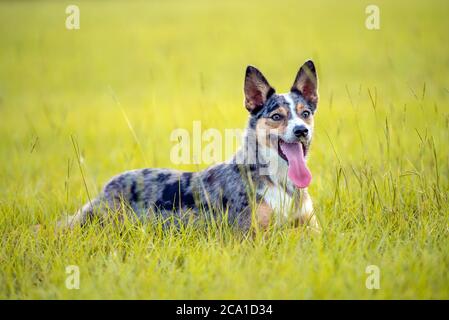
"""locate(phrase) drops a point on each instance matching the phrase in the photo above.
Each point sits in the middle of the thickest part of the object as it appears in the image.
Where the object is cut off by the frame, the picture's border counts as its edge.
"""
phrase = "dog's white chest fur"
(285, 207)
(280, 202)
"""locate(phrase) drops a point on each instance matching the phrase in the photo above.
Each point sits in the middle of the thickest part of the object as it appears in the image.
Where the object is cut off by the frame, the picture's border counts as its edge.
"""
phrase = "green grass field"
(135, 71)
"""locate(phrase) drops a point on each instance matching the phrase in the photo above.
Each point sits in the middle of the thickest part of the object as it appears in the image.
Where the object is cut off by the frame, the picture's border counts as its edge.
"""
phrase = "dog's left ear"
(306, 83)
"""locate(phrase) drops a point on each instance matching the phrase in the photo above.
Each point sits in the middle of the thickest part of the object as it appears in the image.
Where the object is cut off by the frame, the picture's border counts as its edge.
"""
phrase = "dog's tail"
(80, 218)
(83, 215)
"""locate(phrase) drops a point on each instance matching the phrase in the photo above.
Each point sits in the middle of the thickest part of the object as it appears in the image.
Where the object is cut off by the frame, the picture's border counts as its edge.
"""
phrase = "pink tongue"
(297, 169)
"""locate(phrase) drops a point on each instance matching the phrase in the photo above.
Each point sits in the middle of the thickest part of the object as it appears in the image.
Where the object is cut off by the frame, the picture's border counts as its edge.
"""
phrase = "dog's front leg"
(305, 215)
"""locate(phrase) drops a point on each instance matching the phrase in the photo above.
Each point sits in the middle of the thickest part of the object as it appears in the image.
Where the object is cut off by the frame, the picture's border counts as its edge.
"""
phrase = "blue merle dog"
(265, 181)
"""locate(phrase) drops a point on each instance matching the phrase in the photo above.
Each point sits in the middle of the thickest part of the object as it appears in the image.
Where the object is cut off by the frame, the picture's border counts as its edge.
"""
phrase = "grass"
(379, 158)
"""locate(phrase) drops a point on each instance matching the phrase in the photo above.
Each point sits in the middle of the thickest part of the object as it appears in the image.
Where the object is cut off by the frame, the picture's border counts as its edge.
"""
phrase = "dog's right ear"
(257, 89)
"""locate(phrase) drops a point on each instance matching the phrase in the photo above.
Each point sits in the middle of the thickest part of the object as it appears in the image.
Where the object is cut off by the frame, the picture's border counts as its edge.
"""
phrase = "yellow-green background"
(379, 158)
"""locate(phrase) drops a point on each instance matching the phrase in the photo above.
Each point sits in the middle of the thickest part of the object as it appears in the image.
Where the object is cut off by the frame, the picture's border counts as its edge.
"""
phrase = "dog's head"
(283, 123)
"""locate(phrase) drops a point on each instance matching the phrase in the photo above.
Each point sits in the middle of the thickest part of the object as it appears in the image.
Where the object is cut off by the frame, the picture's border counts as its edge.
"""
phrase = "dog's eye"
(305, 114)
(276, 117)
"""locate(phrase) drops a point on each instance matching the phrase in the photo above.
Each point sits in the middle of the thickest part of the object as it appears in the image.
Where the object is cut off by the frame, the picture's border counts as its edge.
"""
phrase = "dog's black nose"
(300, 131)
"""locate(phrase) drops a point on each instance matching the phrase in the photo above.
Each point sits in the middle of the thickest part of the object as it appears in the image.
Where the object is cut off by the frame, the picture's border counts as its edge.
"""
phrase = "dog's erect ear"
(257, 89)
(306, 83)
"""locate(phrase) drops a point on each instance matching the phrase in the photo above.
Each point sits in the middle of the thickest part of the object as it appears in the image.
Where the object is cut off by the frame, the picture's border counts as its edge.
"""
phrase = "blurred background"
(169, 63)
(136, 70)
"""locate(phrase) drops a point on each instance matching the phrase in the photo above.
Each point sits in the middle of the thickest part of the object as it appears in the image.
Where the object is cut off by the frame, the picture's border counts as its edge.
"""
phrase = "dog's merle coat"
(229, 189)
(165, 193)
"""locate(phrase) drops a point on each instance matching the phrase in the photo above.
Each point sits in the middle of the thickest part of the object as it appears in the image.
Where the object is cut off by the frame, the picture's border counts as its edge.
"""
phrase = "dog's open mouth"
(295, 155)
(282, 155)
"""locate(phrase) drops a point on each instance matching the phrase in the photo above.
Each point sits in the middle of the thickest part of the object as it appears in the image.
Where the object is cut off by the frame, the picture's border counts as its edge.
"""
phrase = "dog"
(265, 181)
